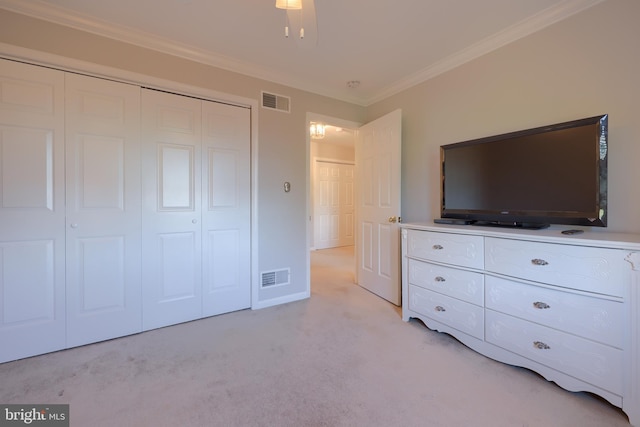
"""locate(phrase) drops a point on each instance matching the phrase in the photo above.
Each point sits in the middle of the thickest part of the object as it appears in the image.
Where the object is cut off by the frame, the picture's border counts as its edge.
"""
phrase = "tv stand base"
(510, 224)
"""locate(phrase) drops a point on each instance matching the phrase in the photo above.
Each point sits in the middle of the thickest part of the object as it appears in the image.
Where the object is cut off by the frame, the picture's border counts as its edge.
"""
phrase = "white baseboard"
(281, 300)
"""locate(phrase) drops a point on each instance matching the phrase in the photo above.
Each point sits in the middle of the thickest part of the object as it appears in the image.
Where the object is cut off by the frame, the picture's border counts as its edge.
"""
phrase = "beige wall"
(583, 66)
(282, 151)
(586, 65)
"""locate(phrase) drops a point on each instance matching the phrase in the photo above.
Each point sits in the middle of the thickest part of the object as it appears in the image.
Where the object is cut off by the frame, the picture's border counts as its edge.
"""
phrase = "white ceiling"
(387, 46)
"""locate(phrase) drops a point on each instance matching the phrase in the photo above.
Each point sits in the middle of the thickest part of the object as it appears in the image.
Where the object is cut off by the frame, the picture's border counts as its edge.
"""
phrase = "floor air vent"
(275, 278)
(276, 102)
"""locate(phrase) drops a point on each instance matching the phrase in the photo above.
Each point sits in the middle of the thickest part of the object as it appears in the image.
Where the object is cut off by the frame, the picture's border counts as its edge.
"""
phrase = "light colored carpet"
(342, 358)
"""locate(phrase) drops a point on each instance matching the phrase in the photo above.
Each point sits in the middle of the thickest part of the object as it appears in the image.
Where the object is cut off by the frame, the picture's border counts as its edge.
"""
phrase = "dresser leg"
(631, 403)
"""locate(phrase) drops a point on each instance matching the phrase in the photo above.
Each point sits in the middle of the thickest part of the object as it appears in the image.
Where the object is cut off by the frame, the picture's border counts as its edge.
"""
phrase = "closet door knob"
(540, 345)
(74, 225)
(541, 305)
(194, 221)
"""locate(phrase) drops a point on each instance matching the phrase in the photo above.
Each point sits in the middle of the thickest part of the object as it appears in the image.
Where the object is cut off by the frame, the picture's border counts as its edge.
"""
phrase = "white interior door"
(171, 226)
(103, 209)
(334, 204)
(226, 208)
(32, 211)
(378, 161)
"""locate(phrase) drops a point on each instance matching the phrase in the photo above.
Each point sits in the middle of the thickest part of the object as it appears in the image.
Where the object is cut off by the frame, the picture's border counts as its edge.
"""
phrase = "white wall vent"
(275, 278)
(276, 102)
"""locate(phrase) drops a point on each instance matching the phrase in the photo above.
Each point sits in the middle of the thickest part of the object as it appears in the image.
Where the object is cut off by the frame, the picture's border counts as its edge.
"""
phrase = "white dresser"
(565, 306)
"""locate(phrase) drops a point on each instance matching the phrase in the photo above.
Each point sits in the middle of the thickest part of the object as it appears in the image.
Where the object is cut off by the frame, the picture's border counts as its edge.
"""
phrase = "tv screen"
(553, 174)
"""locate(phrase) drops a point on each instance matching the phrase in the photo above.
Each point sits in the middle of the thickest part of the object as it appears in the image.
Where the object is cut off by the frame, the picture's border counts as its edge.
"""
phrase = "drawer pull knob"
(440, 308)
(437, 247)
(538, 261)
(540, 345)
(440, 279)
(541, 305)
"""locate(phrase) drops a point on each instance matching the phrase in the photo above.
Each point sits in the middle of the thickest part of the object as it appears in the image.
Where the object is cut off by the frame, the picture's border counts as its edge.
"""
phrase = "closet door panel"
(226, 208)
(32, 212)
(27, 163)
(176, 183)
(103, 209)
(172, 237)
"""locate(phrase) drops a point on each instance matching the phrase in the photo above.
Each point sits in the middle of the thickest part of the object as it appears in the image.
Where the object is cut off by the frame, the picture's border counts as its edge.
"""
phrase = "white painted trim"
(332, 121)
(510, 34)
(129, 35)
(255, 276)
(96, 70)
(17, 53)
(335, 161)
(282, 300)
(60, 16)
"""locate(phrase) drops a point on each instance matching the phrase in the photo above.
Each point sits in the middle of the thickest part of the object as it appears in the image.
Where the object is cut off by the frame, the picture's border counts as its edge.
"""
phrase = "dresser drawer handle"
(538, 261)
(540, 345)
(541, 305)
(440, 308)
(438, 247)
(440, 279)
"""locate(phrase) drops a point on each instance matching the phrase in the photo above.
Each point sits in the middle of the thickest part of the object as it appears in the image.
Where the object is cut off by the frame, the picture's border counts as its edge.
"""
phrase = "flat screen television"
(554, 174)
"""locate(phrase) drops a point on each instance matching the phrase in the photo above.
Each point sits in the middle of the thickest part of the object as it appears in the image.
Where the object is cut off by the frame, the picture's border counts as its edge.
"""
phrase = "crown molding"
(510, 34)
(128, 35)
(57, 15)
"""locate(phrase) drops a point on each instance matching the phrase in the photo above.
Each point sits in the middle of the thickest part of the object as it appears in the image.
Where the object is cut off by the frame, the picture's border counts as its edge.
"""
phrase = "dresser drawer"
(456, 249)
(594, 318)
(465, 317)
(588, 269)
(591, 362)
(461, 284)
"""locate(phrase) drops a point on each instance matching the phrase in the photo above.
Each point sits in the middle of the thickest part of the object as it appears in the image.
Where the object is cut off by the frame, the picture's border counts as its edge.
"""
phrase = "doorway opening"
(378, 154)
(331, 195)
(332, 270)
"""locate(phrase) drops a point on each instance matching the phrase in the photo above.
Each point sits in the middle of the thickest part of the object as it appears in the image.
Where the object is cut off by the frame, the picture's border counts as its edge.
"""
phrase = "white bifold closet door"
(32, 211)
(103, 209)
(226, 208)
(121, 209)
(171, 226)
(196, 211)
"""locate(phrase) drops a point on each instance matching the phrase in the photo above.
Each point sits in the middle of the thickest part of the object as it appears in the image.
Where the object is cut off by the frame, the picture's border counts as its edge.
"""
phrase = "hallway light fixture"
(316, 130)
(289, 4)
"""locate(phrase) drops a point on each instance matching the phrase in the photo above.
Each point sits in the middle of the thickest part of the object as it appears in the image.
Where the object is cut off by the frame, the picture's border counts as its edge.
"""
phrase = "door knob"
(393, 219)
